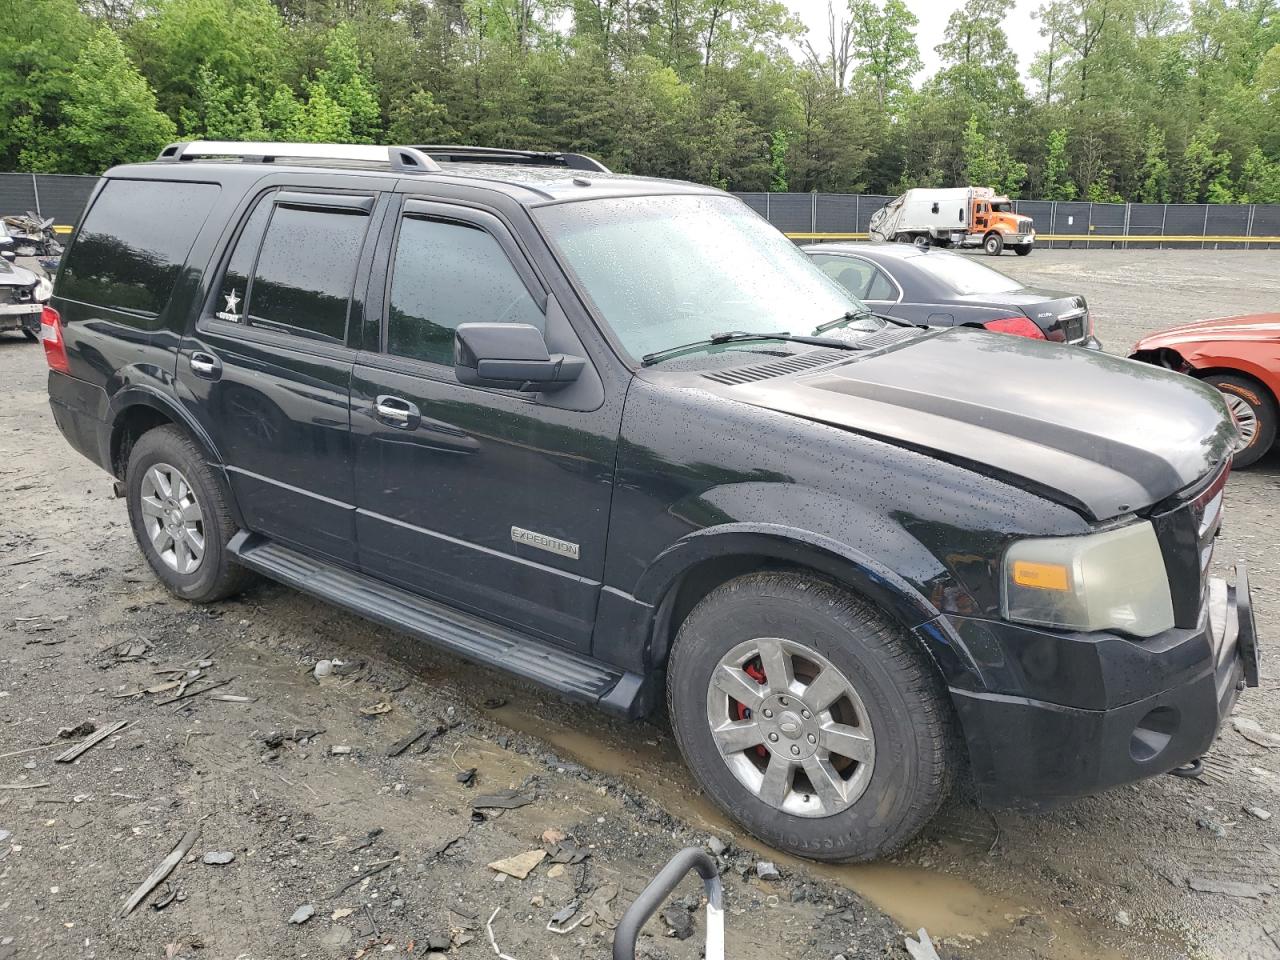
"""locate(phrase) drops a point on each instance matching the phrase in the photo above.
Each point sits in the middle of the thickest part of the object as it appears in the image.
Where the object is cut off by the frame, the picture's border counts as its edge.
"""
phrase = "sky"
(1023, 32)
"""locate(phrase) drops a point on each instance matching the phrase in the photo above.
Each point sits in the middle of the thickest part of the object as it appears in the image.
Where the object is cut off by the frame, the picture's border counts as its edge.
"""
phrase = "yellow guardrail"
(1065, 237)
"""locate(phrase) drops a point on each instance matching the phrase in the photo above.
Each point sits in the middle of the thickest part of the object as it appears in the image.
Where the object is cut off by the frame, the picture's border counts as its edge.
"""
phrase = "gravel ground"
(83, 627)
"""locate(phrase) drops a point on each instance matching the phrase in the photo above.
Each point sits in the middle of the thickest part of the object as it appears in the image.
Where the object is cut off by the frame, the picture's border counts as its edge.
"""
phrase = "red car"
(1238, 355)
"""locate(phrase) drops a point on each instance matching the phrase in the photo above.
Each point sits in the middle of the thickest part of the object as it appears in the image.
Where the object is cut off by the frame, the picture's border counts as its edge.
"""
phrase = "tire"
(1255, 412)
(902, 238)
(875, 807)
(993, 244)
(1024, 250)
(33, 337)
(167, 452)
(922, 241)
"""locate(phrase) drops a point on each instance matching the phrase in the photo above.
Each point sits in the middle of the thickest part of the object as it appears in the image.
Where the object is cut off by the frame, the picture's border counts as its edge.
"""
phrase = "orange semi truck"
(956, 217)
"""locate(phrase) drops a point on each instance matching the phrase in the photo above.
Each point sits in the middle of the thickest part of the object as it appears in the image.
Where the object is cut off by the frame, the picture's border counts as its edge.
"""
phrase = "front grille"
(1186, 529)
(10, 294)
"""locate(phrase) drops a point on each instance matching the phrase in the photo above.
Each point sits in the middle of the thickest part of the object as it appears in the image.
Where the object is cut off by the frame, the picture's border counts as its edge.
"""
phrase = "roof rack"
(458, 153)
(400, 159)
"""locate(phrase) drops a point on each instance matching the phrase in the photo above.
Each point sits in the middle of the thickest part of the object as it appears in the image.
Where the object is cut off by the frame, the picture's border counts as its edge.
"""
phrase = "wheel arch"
(698, 563)
(136, 410)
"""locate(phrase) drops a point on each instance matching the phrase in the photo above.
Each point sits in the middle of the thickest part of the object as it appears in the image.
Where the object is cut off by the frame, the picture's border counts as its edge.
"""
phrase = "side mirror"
(510, 356)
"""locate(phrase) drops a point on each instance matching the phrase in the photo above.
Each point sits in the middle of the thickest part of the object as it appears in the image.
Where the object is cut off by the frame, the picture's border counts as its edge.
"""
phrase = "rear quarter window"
(132, 245)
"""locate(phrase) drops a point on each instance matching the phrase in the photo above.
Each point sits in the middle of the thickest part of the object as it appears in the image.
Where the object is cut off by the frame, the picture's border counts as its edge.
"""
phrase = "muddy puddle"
(948, 906)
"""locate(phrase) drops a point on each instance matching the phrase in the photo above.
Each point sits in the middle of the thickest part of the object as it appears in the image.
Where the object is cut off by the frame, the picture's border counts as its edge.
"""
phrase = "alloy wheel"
(1245, 416)
(791, 727)
(173, 519)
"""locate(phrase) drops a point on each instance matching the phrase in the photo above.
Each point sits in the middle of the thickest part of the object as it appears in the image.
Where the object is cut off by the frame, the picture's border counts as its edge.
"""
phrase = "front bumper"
(1033, 752)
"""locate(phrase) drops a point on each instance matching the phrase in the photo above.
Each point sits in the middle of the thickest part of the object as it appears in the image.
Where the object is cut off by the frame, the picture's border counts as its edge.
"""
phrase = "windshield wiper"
(859, 314)
(739, 336)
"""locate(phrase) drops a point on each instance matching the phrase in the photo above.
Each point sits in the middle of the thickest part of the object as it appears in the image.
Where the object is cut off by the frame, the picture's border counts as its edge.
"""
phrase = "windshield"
(666, 271)
(1002, 207)
(963, 275)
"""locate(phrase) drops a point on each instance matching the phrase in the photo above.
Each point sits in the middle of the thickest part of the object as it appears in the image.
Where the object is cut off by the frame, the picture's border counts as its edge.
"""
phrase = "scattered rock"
(78, 731)
(1217, 829)
(923, 949)
(519, 866)
(716, 846)
(467, 777)
(1257, 812)
(339, 750)
(679, 923)
(1123, 918)
(323, 669)
(341, 913)
(1231, 888)
(376, 710)
(550, 836)
(766, 870)
(303, 914)
(556, 872)
(1252, 731)
(218, 858)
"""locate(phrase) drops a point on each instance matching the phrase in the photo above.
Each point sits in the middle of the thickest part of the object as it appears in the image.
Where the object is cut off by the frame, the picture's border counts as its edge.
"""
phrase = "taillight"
(1018, 326)
(55, 350)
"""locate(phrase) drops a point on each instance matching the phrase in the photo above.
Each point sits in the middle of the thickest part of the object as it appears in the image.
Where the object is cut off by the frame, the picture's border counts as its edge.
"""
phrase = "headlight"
(44, 289)
(1114, 580)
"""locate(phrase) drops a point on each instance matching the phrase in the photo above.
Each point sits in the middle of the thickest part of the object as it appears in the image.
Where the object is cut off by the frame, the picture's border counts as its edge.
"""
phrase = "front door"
(267, 371)
(493, 501)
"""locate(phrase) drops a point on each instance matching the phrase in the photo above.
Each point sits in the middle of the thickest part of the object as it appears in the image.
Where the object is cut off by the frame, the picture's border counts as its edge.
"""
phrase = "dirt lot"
(83, 628)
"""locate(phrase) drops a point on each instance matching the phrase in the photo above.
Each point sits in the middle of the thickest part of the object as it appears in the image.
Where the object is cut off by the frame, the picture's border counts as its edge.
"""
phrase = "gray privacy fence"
(841, 216)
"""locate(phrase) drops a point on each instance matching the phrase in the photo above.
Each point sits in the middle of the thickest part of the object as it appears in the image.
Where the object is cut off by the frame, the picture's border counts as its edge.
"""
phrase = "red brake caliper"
(744, 712)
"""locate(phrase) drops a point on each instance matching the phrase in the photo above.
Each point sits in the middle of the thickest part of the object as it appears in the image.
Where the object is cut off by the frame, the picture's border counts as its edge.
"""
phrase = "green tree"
(778, 159)
(1260, 179)
(345, 82)
(884, 48)
(110, 113)
(987, 162)
(1154, 174)
(1057, 184)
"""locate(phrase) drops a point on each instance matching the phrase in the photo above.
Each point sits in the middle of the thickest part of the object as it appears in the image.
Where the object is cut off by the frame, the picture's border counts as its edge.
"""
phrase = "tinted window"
(853, 274)
(306, 271)
(446, 274)
(230, 304)
(882, 288)
(132, 245)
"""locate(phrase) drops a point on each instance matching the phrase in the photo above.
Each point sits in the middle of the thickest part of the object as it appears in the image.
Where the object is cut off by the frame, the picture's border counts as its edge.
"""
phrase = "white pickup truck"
(955, 217)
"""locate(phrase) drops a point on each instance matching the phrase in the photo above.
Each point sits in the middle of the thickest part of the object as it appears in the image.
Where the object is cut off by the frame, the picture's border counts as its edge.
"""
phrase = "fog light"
(1153, 733)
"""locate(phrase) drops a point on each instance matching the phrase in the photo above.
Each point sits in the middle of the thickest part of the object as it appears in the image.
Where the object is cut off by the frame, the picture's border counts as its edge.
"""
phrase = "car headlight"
(1114, 580)
(44, 289)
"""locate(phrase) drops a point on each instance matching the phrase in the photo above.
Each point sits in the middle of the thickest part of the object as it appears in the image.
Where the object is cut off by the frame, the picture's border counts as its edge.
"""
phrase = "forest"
(1137, 100)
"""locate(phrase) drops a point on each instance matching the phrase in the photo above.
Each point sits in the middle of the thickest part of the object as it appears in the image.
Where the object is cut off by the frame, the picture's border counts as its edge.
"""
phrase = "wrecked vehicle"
(1240, 356)
(23, 294)
(31, 236)
(581, 427)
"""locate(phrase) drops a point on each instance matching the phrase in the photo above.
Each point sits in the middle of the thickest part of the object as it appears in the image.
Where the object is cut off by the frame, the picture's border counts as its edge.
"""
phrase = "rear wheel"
(180, 519)
(922, 241)
(1254, 410)
(993, 244)
(809, 717)
(902, 238)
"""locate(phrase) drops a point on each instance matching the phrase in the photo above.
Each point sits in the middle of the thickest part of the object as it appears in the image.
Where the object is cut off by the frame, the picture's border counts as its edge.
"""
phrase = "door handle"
(394, 410)
(205, 365)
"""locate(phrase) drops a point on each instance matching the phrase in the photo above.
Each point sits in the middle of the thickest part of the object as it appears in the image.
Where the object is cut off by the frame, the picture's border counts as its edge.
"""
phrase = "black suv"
(581, 427)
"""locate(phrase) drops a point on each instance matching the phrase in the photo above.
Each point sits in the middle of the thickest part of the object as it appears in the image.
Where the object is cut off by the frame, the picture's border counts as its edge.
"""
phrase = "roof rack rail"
(460, 153)
(400, 159)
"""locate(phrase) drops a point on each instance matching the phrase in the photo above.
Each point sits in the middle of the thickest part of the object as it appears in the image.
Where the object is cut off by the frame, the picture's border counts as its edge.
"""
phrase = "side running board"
(571, 674)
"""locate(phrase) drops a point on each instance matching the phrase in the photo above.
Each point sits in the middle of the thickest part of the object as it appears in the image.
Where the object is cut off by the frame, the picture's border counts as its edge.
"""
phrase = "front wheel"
(1023, 251)
(1254, 411)
(809, 717)
(993, 244)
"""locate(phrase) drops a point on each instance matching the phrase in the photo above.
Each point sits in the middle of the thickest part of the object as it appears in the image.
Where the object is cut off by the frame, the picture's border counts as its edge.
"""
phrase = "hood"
(15, 276)
(1258, 326)
(1102, 435)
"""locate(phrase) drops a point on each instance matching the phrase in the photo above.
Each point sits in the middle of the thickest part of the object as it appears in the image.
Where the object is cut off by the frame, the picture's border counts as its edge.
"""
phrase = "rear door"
(493, 501)
(267, 370)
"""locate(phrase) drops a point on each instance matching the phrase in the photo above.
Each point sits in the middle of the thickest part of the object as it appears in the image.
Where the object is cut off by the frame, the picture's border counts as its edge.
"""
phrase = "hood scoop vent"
(779, 368)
